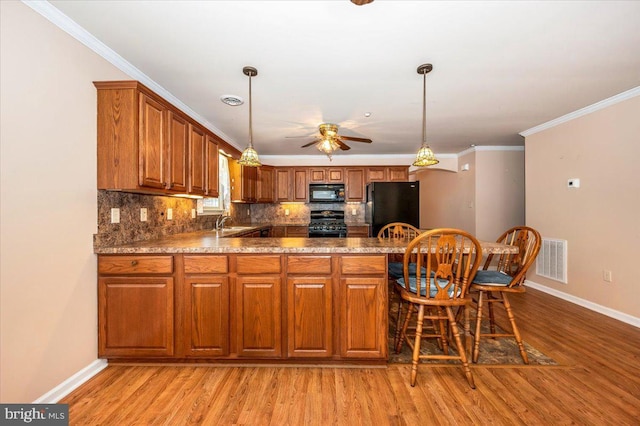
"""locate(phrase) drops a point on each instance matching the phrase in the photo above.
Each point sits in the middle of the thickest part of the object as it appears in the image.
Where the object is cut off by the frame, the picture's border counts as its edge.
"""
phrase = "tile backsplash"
(131, 228)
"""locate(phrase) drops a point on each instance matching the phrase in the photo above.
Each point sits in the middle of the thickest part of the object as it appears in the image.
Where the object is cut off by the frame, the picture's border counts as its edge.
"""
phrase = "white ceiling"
(499, 67)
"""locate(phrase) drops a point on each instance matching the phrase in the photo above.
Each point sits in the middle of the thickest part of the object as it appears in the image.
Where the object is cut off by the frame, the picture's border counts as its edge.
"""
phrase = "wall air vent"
(552, 260)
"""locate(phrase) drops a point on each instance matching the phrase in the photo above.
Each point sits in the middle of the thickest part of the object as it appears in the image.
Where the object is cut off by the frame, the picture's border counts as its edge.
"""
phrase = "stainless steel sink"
(236, 228)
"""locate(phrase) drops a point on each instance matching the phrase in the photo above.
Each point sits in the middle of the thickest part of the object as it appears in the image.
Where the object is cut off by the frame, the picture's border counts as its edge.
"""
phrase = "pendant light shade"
(249, 156)
(425, 156)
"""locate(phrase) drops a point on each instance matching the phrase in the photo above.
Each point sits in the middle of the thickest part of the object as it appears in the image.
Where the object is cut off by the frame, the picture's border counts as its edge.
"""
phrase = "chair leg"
(461, 349)
(398, 321)
(403, 331)
(416, 348)
(492, 321)
(514, 327)
(476, 335)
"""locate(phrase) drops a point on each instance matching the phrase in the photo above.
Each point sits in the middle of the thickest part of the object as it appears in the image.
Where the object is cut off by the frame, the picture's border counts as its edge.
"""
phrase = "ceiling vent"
(231, 100)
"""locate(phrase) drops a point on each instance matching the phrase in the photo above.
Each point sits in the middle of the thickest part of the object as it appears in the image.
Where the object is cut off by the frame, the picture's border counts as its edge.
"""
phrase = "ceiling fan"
(329, 140)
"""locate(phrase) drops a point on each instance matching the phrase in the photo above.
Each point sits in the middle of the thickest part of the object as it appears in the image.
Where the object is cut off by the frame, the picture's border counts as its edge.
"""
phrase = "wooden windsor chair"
(454, 256)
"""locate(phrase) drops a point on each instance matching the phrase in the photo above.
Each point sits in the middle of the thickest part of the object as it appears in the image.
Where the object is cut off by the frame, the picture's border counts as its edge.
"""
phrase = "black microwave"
(322, 193)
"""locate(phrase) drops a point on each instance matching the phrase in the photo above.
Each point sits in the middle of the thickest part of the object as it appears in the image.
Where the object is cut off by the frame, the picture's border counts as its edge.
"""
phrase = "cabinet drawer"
(258, 264)
(363, 265)
(297, 231)
(112, 265)
(309, 265)
(206, 265)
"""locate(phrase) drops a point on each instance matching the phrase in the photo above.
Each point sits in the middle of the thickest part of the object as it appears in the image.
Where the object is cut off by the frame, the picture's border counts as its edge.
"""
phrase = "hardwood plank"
(597, 380)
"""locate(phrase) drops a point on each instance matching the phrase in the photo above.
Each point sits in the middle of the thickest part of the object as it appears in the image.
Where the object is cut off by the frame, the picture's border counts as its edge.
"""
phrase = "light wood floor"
(597, 383)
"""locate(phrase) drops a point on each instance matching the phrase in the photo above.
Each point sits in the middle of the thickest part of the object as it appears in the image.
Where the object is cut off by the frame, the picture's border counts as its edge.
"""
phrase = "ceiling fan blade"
(309, 144)
(343, 146)
(351, 138)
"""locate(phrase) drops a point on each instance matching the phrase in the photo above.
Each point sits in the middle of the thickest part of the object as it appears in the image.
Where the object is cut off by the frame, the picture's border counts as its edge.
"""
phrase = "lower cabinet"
(135, 306)
(310, 306)
(243, 306)
(363, 307)
(258, 306)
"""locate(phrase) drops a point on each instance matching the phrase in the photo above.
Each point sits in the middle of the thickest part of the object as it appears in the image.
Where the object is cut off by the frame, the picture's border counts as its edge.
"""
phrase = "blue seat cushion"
(432, 287)
(395, 269)
(496, 278)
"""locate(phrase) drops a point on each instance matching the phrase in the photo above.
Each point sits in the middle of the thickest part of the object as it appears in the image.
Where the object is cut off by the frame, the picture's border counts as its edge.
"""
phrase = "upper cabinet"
(387, 174)
(265, 184)
(243, 182)
(354, 186)
(326, 175)
(292, 184)
(146, 145)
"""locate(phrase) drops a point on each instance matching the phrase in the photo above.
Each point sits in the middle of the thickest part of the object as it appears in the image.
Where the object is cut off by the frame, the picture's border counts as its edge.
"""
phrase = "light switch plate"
(169, 214)
(143, 214)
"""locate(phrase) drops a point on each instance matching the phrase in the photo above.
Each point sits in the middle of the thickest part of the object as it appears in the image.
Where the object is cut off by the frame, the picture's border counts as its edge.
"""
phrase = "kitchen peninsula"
(199, 297)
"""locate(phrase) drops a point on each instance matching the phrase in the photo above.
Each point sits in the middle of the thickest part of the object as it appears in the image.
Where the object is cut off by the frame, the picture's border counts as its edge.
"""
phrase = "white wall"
(48, 322)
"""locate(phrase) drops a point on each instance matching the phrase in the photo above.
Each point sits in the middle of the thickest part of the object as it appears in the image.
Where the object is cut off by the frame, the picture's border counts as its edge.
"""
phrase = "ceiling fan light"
(425, 157)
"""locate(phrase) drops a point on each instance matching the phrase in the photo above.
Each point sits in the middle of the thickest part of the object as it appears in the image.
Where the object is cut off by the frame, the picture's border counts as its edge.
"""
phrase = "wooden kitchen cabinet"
(297, 231)
(292, 184)
(197, 158)
(265, 184)
(258, 306)
(326, 175)
(146, 145)
(212, 167)
(354, 186)
(363, 307)
(310, 307)
(387, 174)
(205, 301)
(358, 231)
(178, 136)
(243, 182)
(135, 306)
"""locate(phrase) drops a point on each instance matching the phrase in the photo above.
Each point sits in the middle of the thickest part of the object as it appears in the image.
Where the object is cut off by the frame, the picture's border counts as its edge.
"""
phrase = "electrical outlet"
(143, 214)
(169, 214)
(193, 213)
(115, 215)
(286, 212)
(354, 212)
(248, 212)
(607, 276)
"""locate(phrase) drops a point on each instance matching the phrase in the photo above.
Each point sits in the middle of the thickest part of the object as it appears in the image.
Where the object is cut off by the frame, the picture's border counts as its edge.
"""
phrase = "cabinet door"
(206, 316)
(300, 185)
(135, 317)
(355, 184)
(283, 179)
(335, 175)
(264, 186)
(197, 156)
(258, 316)
(249, 183)
(398, 174)
(363, 318)
(178, 136)
(376, 174)
(152, 148)
(358, 231)
(317, 175)
(211, 187)
(310, 317)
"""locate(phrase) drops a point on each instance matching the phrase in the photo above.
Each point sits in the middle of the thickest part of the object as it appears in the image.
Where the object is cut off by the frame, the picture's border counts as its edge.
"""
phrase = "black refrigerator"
(392, 202)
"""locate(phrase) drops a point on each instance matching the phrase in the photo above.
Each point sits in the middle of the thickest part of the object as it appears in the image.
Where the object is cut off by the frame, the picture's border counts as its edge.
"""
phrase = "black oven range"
(327, 224)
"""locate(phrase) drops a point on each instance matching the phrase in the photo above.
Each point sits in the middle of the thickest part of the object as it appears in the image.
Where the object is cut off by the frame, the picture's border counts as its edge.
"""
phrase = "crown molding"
(66, 24)
(584, 111)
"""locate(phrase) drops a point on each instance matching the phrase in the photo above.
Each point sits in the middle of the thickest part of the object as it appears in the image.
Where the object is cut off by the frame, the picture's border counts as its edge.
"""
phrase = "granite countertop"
(213, 242)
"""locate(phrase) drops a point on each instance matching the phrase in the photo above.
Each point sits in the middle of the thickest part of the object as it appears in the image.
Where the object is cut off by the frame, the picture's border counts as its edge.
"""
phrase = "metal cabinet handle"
(134, 262)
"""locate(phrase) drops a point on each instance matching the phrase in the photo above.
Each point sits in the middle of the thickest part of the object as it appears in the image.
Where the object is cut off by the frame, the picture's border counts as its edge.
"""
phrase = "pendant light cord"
(250, 114)
(424, 106)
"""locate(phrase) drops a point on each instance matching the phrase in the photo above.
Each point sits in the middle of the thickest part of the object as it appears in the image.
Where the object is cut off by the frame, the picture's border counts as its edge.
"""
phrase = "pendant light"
(425, 156)
(249, 156)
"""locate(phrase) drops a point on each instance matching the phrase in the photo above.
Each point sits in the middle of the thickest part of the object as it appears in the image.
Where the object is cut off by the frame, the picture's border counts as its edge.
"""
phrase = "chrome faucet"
(221, 220)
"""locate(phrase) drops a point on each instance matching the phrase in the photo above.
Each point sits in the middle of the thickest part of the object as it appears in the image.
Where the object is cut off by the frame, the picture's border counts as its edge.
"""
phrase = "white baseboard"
(620, 316)
(66, 387)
